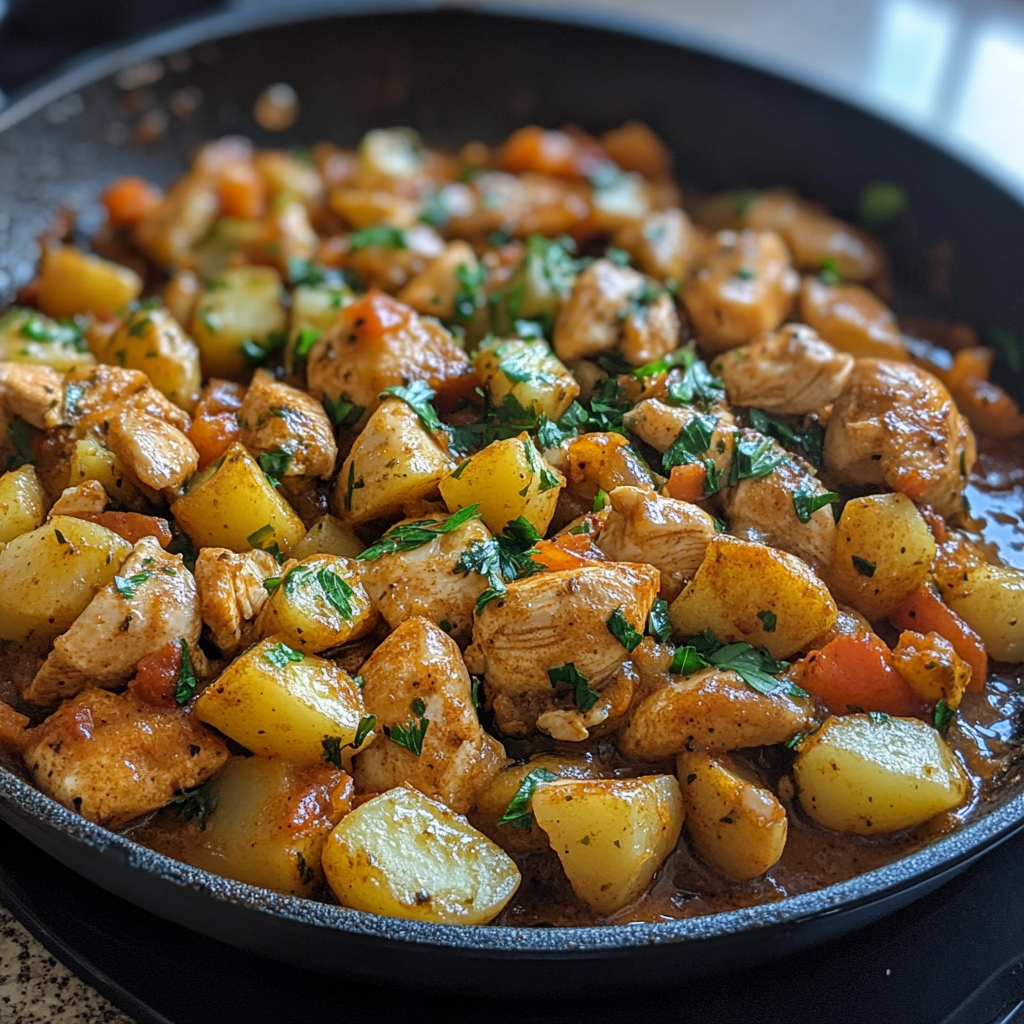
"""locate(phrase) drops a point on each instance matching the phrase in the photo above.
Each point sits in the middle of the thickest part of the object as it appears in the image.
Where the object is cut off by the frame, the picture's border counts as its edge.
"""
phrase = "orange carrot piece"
(156, 676)
(923, 612)
(242, 192)
(215, 426)
(686, 483)
(133, 526)
(856, 672)
(534, 150)
(128, 200)
(555, 558)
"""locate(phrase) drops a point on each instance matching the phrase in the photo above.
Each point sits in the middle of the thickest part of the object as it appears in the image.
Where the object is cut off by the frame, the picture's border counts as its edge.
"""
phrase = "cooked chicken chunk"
(570, 725)
(745, 286)
(152, 601)
(792, 372)
(277, 418)
(851, 319)
(185, 214)
(670, 535)
(86, 498)
(895, 424)
(417, 674)
(154, 453)
(660, 424)
(93, 393)
(434, 291)
(35, 393)
(765, 509)
(612, 305)
(111, 758)
(665, 245)
(378, 343)
(231, 592)
(548, 621)
(423, 582)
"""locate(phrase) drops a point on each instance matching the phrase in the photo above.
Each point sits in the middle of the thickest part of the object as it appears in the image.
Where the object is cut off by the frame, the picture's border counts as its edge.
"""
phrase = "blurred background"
(951, 70)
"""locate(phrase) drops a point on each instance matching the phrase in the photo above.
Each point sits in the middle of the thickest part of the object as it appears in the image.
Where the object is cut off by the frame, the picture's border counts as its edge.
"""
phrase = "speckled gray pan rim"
(19, 800)
(942, 856)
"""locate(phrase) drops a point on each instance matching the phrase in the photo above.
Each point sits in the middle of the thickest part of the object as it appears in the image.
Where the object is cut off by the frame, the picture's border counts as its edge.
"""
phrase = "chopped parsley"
(409, 536)
(692, 444)
(686, 661)
(259, 352)
(470, 294)
(502, 559)
(343, 413)
(185, 687)
(880, 202)
(332, 750)
(417, 396)
(754, 458)
(698, 385)
(352, 484)
(659, 625)
(126, 586)
(383, 235)
(601, 500)
(280, 655)
(769, 620)
(196, 804)
(521, 367)
(274, 464)
(21, 437)
(410, 735)
(806, 503)
(944, 716)
(338, 593)
(863, 566)
(754, 665)
(552, 434)
(829, 272)
(517, 814)
(683, 356)
(257, 537)
(811, 441)
(569, 673)
(623, 630)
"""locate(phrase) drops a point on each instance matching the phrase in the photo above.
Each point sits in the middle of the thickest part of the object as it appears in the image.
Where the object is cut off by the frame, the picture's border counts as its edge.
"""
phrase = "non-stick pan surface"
(455, 75)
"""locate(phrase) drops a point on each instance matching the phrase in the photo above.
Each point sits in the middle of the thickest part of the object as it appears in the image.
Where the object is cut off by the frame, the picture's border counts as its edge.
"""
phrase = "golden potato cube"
(72, 282)
(868, 774)
(242, 308)
(737, 580)
(883, 551)
(402, 854)
(733, 823)
(328, 536)
(317, 604)
(508, 479)
(49, 575)
(528, 371)
(270, 823)
(277, 701)
(991, 602)
(231, 504)
(315, 308)
(91, 460)
(22, 503)
(611, 835)
(29, 337)
(393, 462)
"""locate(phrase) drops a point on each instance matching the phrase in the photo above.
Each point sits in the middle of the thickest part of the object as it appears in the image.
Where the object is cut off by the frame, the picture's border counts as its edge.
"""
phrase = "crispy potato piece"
(91, 460)
(276, 701)
(932, 667)
(328, 536)
(607, 461)
(851, 319)
(737, 580)
(733, 822)
(22, 503)
(883, 551)
(72, 282)
(865, 776)
(611, 835)
(435, 290)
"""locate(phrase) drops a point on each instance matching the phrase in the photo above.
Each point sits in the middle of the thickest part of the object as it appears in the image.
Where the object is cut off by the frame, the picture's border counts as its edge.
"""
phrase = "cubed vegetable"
(29, 337)
(530, 373)
(73, 282)
(22, 503)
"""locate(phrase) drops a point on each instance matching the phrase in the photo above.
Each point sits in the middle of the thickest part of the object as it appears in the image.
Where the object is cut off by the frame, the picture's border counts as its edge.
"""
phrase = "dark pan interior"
(456, 75)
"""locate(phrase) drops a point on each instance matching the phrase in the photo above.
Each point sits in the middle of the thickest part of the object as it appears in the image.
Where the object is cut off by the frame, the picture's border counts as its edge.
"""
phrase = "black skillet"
(456, 75)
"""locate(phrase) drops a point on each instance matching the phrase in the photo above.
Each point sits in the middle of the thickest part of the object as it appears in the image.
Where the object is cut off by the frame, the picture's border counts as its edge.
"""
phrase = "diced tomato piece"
(156, 676)
(129, 200)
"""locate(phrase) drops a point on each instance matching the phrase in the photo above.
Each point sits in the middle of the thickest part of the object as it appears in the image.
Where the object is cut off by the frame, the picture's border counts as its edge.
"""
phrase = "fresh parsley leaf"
(332, 750)
(338, 593)
(754, 458)
(521, 367)
(755, 666)
(341, 412)
(607, 406)
(259, 352)
(572, 421)
(126, 586)
(257, 537)
(811, 441)
(863, 566)
(470, 294)
(410, 735)
(1008, 345)
(275, 464)
(623, 630)
(549, 479)
(517, 814)
(698, 385)
(352, 485)
(271, 583)
(307, 272)
(409, 536)
(569, 673)
(196, 804)
(686, 661)
(21, 437)
(769, 620)
(806, 503)
(501, 559)
(880, 717)
(692, 444)
(305, 340)
(944, 716)
(618, 256)
(880, 202)
(476, 691)
(683, 356)
(601, 500)
(659, 625)
(185, 688)
(642, 299)
(280, 655)
(366, 725)
(417, 396)
(829, 272)
(384, 235)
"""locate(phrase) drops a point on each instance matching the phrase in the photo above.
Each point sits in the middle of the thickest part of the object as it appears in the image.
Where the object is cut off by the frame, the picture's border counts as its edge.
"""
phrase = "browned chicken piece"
(570, 725)
(390, 268)
(276, 417)
(713, 709)
(745, 286)
(896, 425)
(377, 343)
(86, 498)
(35, 393)
(932, 667)
(791, 372)
(612, 305)
(111, 758)
(92, 393)
(423, 582)
(668, 534)
(765, 510)
(152, 601)
(185, 214)
(417, 674)
(851, 319)
(231, 592)
(154, 453)
(548, 621)
(433, 291)
(14, 732)
(659, 424)
(607, 461)
(665, 245)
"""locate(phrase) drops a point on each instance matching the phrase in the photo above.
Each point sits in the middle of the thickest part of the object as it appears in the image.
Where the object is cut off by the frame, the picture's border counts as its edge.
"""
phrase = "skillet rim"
(932, 863)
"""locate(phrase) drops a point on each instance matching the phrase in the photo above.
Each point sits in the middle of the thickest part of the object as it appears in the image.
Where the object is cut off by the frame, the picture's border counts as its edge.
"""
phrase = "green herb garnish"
(806, 503)
(280, 655)
(659, 624)
(409, 536)
(863, 566)
(185, 688)
(502, 559)
(517, 814)
(568, 673)
(623, 630)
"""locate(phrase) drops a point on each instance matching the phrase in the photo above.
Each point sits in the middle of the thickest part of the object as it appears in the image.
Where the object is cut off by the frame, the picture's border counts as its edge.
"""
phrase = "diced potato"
(29, 337)
(737, 580)
(232, 504)
(184, 216)
(733, 823)
(243, 306)
(608, 461)
(528, 371)
(319, 603)
(278, 702)
(402, 854)
(328, 536)
(865, 774)
(270, 823)
(507, 479)
(315, 309)
(611, 835)
(49, 575)
(883, 551)
(227, 236)
(389, 154)
(91, 460)
(73, 282)
(991, 602)
(284, 173)
(151, 340)
(393, 462)
(22, 503)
